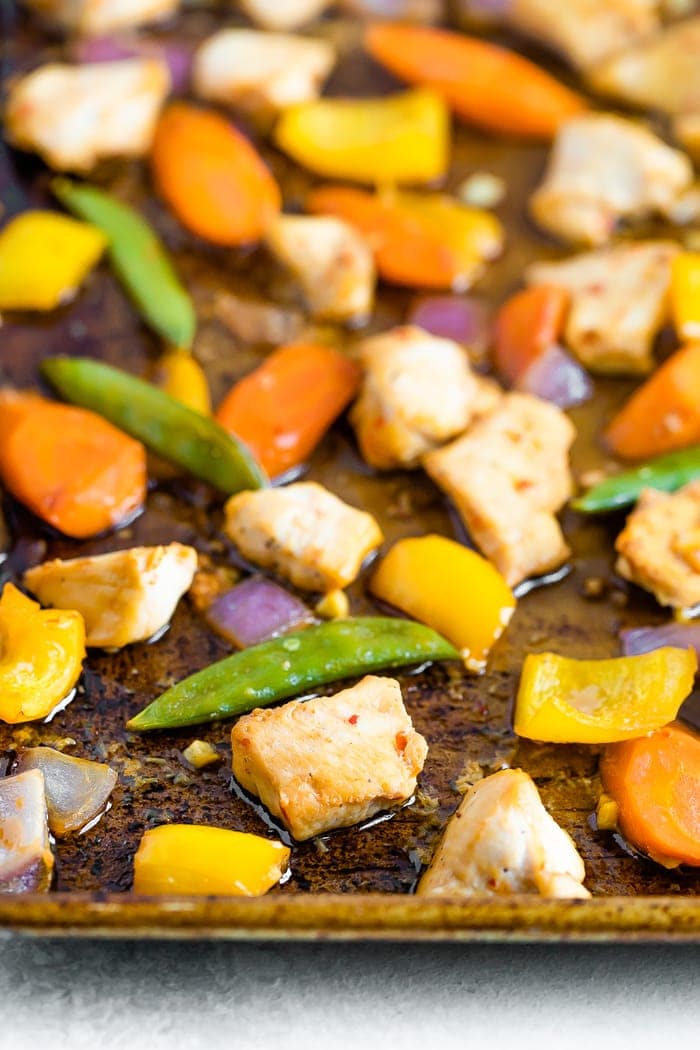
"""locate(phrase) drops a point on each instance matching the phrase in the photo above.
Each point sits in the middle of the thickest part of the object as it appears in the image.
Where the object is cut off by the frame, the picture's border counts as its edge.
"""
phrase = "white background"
(204, 996)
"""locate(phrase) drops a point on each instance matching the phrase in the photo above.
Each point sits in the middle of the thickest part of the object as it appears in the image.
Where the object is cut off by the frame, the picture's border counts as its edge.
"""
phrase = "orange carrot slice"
(283, 408)
(527, 325)
(664, 413)
(484, 84)
(70, 466)
(655, 781)
(211, 176)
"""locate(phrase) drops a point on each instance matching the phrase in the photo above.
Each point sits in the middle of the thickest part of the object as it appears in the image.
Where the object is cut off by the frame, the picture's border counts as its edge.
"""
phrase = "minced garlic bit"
(200, 754)
(606, 813)
(334, 606)
(482, 190)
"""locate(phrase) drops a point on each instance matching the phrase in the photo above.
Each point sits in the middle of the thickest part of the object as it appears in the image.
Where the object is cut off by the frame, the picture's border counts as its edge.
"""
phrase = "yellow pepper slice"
(685, 295)
(41, 656)
(451, 589)
(44, 258)
(566, 701)
(178, 374)
(196, 860)
(402, 138)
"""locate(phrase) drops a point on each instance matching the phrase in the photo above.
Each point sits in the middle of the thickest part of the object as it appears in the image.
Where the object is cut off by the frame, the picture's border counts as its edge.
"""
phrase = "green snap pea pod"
(139, 260)
(192, 441)
(288, 666)
(667, 473)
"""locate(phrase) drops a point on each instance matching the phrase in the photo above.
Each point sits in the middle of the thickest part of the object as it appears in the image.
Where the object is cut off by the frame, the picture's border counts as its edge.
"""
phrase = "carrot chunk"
(527, 325)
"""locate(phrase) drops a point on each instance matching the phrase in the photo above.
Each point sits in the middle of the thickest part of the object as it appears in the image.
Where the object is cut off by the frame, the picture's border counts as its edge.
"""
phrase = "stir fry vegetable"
(69, 466)
(450, 587)
(138, 257)
(655, 782)
(402, 138)
(211, 176)
(283, 408)
(685, 295)
(26, 860)
(77, 790)
(527, 325)
(419, 240)
(289, 666)
(664, 413)
(567, 701)
(44, 258)
(42, 656)
(195, 860)
(166, 426)
(484, 84)
(667, 473)
(180, 376)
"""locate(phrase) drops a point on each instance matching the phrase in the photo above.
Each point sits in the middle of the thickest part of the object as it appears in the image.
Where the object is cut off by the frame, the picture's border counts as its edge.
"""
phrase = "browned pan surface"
(465, 719)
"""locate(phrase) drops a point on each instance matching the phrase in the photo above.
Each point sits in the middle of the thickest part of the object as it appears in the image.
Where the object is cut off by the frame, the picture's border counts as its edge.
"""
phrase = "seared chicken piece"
(261, 71)
(74, 116)
(603, 169)
(290, 14)
(126, 596)
(94, 17)
(659, 548)
(502, 841)
(302, 532)
(26, 860)
(332, 761)
(418, 392)
(332, 262)
(507, 476)
(584, 31)
(619, 302)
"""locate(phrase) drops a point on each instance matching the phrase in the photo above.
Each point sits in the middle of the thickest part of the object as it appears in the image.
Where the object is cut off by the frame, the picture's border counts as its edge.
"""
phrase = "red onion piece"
(463, 318)
(557, 377)
(256, 610)
(77, 790)
(177, 56)
(636, 640)
(26, 862)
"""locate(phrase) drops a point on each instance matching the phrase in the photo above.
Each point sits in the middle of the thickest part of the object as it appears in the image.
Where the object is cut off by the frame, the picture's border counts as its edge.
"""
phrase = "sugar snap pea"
(667, 473)
(166, 426)
(294, 664)
(139, 259)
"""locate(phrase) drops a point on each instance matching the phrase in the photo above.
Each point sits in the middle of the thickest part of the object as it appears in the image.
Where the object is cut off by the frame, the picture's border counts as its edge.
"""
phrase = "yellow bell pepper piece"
(178, 374)
(565, 701)
(402, 138)
(685, 295)
(451, 589)
(192, 859)
(41, 656)
(44, 258)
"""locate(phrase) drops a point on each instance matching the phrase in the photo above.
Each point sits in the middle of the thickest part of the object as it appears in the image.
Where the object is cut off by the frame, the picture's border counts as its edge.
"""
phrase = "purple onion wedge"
(177, 56)
(556, 376)
(463, 318)
(255, 611)
(26, 861)
(636, 640)
(77, 790)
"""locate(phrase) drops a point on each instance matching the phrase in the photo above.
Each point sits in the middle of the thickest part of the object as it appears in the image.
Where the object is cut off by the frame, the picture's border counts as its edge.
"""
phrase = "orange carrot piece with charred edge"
(211, 176)
(664, 413)
(655, 781)
(484, 84)
(527, 325)
(72, 468)
(283, 408)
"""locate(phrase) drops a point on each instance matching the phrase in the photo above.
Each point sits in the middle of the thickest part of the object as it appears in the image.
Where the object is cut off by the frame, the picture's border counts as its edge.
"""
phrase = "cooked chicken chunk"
(290, 14)
(332, 262)
(302, 532)
(26, 860)
(584, 31)
(74, 116)
(507, 476)
(501, 841)
(619, 302)
(126, 596)
(659, 548)
(661, 73)
(103, 16)
(261, 71)
(333, 761)
(603, 169)
(418, 392)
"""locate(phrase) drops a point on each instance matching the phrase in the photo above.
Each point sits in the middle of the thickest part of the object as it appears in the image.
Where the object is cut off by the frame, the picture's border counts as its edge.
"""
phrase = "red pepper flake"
(353, 720)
